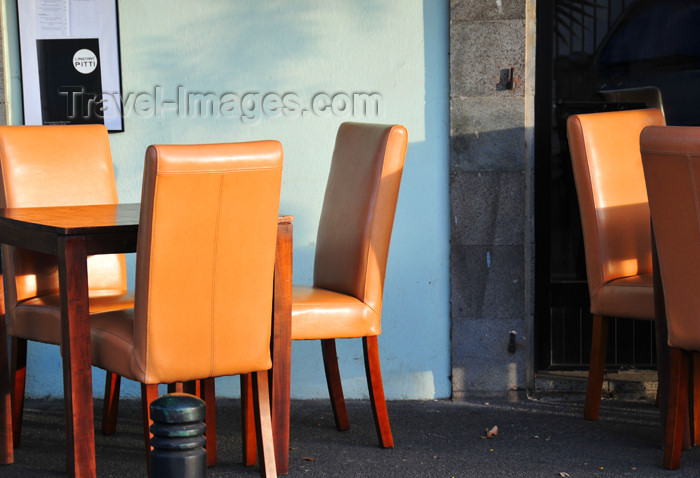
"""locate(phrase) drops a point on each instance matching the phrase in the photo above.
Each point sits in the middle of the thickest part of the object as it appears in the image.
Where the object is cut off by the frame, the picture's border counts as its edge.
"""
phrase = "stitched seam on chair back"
(592, 225)
(370, 234)
(212, 315)
(373, 214)
(147, 355)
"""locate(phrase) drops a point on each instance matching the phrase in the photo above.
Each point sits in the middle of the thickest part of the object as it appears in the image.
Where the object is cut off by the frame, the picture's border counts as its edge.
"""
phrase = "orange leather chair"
(671, 159)
(614, 211)
(352, 246)
(53, 166)
(204, 277)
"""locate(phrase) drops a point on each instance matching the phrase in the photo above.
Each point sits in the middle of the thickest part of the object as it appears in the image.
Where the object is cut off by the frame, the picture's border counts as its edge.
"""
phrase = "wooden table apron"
(72, 234)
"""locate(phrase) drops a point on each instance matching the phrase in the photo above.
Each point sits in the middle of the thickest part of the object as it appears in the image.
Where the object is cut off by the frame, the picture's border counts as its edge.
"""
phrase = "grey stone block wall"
(490, 194)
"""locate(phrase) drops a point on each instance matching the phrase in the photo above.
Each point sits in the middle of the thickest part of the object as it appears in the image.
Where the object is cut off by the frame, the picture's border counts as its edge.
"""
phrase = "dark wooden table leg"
(77, 374)
(6, 449)
(282, 346)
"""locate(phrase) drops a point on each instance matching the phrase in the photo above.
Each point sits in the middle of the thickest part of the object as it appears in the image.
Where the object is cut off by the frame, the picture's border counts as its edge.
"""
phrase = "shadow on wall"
(488, 224)
(487, 146)
(299, 28)
(493, 377)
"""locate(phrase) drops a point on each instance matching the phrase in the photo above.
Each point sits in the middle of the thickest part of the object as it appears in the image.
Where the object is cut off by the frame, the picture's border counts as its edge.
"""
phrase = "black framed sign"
(69, 51)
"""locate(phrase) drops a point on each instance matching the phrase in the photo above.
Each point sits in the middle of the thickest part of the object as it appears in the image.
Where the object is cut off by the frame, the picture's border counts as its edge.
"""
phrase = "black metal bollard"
(178, 437)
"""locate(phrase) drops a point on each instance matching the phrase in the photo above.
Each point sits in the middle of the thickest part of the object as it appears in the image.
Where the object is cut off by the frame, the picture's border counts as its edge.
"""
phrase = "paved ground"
(536, 438)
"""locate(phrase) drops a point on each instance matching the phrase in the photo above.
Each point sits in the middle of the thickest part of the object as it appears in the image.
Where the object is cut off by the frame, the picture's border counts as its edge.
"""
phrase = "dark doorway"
(584, 47)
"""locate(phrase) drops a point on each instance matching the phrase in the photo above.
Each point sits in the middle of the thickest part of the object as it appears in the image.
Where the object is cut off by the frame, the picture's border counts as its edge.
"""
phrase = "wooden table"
(72, 234)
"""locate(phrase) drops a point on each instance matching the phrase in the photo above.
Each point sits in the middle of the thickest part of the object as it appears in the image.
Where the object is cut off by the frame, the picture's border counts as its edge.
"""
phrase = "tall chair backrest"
(358, 210)
(205, 262)
(671, 158)
(56, 166)
(612, 196)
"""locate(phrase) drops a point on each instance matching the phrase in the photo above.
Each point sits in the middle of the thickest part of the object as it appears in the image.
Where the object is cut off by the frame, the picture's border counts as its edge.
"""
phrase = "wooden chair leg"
(376, 391)
(7, 453)
(335, 388)
(110, 408)
(206, 390)
(148, 394)
(250, 456)
(18, 380)
(677, 408)
(694, 399)
(176, 387)
(596, 371)
(263, 424)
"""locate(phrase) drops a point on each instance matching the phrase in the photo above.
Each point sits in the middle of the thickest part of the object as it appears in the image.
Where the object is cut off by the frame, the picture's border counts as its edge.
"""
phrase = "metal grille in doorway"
(570, 36)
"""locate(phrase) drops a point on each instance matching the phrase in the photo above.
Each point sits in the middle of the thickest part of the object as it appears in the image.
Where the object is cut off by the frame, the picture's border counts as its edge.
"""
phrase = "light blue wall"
(396, 48)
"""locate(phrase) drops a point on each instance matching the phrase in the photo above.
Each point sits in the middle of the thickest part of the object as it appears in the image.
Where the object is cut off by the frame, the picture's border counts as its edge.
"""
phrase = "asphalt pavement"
(547, 437)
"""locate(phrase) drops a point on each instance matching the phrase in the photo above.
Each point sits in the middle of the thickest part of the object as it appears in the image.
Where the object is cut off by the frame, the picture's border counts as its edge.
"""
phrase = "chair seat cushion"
(629, 297)
(39, 318)
(323, 314)
(112, 342)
